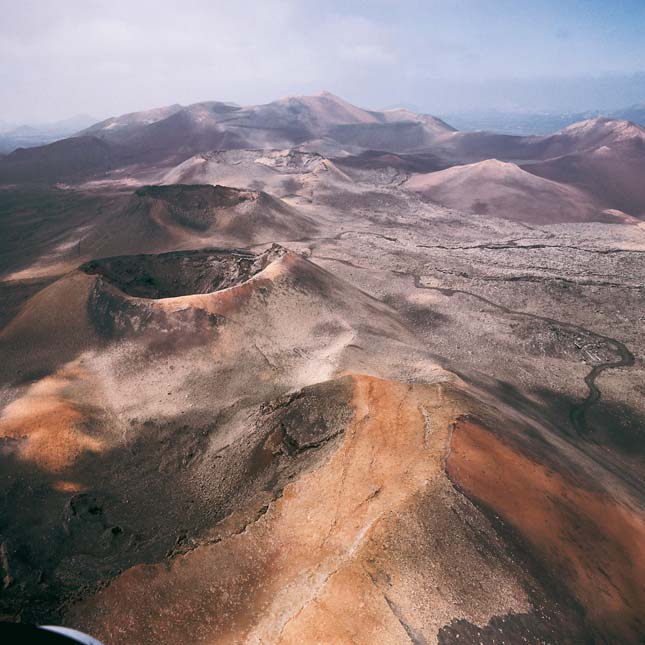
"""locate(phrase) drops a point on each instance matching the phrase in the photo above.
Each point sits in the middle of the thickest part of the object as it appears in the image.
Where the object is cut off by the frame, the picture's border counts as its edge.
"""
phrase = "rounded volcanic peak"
(492, 170)
(325, 109)
(495, 170)
(601, 124)
(602, 131)
(503, 189)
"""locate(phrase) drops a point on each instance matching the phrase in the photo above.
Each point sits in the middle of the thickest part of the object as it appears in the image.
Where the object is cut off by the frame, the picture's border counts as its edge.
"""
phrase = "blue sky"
(107, 57)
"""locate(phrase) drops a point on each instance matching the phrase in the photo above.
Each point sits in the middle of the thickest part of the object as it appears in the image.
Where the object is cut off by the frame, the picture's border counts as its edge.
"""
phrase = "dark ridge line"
(345, 262)
(514, 247)
(542, 279)
(415, 636)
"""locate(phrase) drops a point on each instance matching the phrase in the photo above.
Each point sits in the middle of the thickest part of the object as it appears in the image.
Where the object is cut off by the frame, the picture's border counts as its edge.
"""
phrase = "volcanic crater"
(181, 273)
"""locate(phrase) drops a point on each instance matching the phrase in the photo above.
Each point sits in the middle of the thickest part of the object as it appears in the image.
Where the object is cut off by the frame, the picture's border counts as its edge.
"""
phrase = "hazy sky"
(63, 57)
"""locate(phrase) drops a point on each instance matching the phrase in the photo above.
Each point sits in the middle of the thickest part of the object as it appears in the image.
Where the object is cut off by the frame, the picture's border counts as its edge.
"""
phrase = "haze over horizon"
(441, 56)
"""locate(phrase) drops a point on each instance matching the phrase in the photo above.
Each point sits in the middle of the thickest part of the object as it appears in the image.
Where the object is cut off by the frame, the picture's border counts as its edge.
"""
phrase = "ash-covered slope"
(503, 189)
(141, 366)
(220, 446)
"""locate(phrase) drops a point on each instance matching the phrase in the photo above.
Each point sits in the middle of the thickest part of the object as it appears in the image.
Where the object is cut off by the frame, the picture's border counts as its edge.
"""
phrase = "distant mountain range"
(523, 122)
(170, 135)
(588, 171)
(29, 135)
(518, 122)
